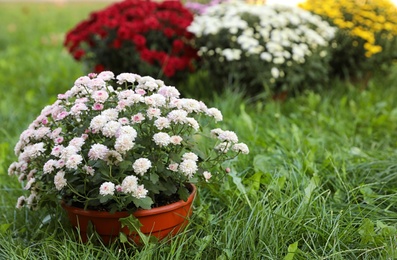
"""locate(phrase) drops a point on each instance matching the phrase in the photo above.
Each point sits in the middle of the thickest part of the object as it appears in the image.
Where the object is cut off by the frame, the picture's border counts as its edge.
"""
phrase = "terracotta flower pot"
(159, 222)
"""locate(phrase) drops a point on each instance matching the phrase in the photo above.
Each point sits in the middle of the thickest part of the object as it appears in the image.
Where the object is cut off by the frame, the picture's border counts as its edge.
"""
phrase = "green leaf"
(254, 182)
(144, 203)
(245, 118)
(292, 248)
(367, 231)
(134, 225)
(369, 194)
(104, 199)
(4, 227)
(261, 163)
(125, 165)
(237, 181)
(123, 238)
(131, 222)
(154, 178)
(311, 187)
(183, 193)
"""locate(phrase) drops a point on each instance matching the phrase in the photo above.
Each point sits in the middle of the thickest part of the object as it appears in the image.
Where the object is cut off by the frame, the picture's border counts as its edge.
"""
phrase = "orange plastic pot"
(159, 222)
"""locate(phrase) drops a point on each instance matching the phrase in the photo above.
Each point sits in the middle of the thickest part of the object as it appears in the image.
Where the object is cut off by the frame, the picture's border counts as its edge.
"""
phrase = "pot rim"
(139, 212)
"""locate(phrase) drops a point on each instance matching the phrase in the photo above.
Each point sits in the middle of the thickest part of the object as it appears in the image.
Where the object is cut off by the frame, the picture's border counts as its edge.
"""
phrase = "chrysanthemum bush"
(125, 148)
(366, 37)
(144, 37)
(270, 46)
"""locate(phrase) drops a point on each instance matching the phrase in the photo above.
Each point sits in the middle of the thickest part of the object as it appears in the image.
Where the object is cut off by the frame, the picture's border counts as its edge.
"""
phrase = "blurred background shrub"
(143, 37)
(367, 35)
(267, 47)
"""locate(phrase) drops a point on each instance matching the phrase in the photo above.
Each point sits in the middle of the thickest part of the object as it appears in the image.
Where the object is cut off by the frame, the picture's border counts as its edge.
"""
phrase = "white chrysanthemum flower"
(173, 167)
(106, 75)
(155, 100)
(266, 56)
(77, 142)
(113, 157)
(153, 113)
(147, 83)
(82, 81)
(124, 143)
(161, 139)
(29, 183)
(207, 176)
(176, 139)
(275, 72)
(128, 130)
(100, 96)
(98, 122)
(21, 201)
(223, 147)
(107, 188)
(216, 132)
(98, 152)
(111, 128)
(215, 113)
(57, 150)
(125, 94)
(240, 147)
(232, 54)
(193, 123)
(77, 108)
(35, 150)
(12, 169)
(49, 166)
(111, 114)
(42, 132)
(140, 192)
(129, 184)
(141, 166)
(59, 180)
(96, 84)
(138, 118)
(169, 92)
(188, 167)
(31, 199)
(127, 78)
(177, 116)
(190, 156)
(124, 121)
(68, 151)
(60, 164)
(162, 122)
(89, 170)
(73, 161)
(56, 133)
(228, 136)
(190, 105)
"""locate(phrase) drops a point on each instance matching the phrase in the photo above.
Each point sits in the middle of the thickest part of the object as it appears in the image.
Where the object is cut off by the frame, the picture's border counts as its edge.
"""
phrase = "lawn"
(320, 181)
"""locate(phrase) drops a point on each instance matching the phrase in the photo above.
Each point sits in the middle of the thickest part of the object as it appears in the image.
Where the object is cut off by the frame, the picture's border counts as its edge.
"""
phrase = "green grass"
(320, 181)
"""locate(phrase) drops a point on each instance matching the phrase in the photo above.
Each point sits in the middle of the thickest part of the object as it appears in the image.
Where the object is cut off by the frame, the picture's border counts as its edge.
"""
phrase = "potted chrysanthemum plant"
(133, 148)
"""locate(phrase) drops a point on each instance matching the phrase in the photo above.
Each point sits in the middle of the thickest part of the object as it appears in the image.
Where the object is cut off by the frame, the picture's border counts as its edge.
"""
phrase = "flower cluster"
(367, 34)
(121, 148)
(256, 45)
(146, 37)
